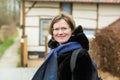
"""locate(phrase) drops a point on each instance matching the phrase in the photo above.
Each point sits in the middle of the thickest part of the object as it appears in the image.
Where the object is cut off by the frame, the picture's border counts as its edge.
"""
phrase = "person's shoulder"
(81, 52)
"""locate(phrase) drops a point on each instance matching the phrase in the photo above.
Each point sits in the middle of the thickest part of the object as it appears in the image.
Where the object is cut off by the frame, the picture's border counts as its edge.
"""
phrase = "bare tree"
(10, 11)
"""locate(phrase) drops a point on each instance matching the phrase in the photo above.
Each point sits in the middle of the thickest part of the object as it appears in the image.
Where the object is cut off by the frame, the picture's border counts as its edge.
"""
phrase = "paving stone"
(17, 73)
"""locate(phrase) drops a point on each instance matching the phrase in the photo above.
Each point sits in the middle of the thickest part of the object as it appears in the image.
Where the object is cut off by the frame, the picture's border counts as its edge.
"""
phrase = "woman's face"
(61, 31)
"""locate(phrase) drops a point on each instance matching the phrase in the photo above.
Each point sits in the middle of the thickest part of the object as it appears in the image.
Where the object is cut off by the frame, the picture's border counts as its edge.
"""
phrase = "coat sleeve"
(83, 68)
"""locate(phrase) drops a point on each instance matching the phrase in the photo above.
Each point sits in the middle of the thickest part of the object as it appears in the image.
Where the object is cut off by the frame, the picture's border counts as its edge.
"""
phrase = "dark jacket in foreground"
(83, 69)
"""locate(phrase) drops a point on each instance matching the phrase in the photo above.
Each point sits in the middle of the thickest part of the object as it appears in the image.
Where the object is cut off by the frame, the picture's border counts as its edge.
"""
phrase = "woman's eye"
(63, 28)
(56, 29)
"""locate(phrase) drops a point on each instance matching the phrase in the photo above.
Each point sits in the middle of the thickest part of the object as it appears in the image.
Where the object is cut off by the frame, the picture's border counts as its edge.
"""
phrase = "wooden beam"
(24, 51)
(31, 7)
(97, 18)
(23, 17)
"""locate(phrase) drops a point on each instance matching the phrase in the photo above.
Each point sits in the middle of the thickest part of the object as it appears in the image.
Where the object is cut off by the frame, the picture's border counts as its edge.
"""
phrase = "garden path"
(11, 58)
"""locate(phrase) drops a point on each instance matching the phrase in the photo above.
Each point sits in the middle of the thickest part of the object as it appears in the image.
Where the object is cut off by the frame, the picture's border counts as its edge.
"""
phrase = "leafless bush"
(105, 49)
(7, 31)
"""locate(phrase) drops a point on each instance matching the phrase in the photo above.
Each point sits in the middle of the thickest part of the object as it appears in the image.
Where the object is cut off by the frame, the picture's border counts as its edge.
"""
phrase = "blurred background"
(24, 34)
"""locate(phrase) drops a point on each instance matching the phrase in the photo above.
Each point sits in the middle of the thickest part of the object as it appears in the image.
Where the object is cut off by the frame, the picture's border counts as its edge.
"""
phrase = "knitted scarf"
(48, 70)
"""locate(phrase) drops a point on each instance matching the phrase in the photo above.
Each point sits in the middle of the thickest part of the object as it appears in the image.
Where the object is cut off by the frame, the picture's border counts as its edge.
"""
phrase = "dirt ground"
(35, 62)
(107, 76)
(104, 75)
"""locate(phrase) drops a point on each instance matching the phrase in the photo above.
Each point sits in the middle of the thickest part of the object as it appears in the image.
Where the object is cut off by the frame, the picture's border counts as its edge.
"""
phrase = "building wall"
(108, 13)
(44, 9)
(84, 14)
(40, 11)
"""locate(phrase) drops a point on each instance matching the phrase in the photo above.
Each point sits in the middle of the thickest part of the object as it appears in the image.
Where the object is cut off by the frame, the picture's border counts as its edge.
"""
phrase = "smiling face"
(61, 31)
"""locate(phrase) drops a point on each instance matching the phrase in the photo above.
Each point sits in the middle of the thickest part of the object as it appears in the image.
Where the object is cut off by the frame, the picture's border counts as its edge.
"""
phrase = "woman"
(65, 39)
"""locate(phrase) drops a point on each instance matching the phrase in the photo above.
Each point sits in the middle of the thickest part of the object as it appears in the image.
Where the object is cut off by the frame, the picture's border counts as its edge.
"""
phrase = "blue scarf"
(48, 70)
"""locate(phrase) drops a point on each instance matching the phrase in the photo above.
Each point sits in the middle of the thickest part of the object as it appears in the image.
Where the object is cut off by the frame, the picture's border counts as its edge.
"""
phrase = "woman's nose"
(60, 31)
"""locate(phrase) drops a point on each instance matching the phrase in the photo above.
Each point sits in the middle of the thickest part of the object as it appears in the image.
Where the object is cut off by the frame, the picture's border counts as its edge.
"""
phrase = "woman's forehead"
(61, 22)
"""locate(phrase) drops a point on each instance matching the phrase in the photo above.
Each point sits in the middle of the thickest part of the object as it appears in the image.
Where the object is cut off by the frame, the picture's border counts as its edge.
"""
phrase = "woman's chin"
(62, 42)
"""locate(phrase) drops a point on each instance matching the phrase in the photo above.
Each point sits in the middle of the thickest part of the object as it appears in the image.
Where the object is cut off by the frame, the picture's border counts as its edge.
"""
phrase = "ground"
(108, 76)
(104, 75)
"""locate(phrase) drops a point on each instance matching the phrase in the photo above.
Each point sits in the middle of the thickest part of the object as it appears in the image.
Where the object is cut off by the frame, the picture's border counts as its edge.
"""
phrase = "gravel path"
(17, 73)
(11, 57)
(9, 61)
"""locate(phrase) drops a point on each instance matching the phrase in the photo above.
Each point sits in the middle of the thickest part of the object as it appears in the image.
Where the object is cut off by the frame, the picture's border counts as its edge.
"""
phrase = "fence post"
(46, 46)
(24, 52)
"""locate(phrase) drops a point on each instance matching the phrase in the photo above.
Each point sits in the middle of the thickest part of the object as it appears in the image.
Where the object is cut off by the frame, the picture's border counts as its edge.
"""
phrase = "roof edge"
(85, 1)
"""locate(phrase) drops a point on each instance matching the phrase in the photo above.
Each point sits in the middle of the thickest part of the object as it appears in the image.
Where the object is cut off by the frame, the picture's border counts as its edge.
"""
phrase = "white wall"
(41, 10)
(108, 13)
(32, 21)
(32, 36)
(85, 14)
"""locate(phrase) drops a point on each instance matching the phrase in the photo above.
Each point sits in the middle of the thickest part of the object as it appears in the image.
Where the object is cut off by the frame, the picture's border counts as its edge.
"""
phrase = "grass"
(19, 53)
(7, 43)
(19, 64)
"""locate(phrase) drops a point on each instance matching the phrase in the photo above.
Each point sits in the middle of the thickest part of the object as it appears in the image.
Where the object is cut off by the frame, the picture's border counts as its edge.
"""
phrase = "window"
(44, 25)
(66, 7)
(89, 32)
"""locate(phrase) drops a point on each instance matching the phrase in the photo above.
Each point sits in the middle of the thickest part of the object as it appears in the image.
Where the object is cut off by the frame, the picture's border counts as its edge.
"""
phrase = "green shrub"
(7, 43)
